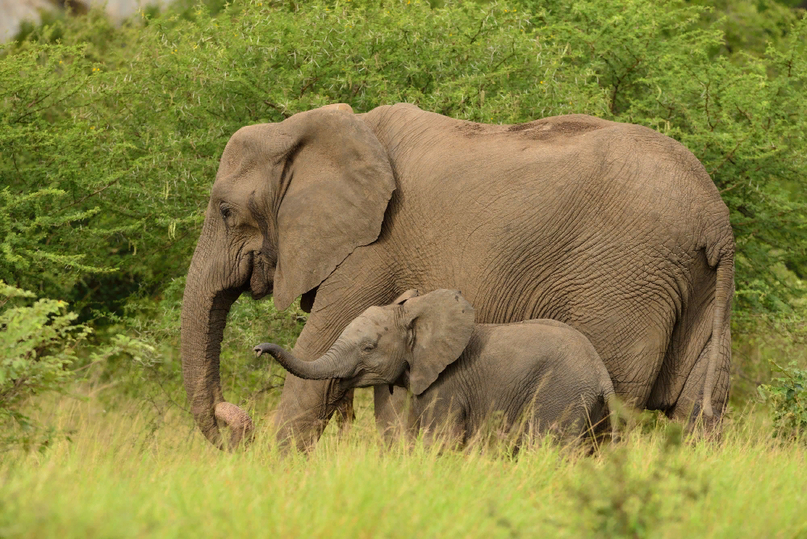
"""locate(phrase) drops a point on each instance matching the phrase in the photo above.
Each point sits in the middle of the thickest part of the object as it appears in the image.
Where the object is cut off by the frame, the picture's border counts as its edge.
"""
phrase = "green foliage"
(619, 502)
(73, 207)
(40, 206)
(750, 26)
(787, 398)
(254, 322)
(27, 222)
(38, 343)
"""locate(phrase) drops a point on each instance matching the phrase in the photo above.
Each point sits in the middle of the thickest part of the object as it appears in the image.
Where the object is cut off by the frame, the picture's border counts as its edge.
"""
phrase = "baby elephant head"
(409, 342)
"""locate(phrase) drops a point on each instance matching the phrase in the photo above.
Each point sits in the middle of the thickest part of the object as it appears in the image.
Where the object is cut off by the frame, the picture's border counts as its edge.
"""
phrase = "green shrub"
(787, 397)
(616, 500)
(38, 343)
(41, 206)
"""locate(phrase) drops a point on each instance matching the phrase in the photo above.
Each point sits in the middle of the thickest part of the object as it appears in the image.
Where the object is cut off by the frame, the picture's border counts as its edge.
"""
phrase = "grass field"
(129, 473)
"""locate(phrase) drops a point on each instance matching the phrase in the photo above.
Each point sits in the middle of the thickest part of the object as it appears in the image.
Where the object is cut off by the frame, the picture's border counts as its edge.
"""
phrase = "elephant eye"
(368, 347)
(226, 211)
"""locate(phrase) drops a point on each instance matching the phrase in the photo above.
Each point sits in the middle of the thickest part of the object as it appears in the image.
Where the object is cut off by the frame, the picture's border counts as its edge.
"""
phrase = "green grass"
(129, 472)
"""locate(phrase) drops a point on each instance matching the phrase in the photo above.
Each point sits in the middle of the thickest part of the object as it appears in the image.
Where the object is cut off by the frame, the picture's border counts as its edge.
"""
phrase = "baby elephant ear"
(442, 322)
(409, 294)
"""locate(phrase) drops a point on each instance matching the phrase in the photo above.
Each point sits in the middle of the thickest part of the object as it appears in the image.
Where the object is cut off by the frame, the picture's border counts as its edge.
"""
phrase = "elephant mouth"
(259, 288)
(261, 281)
(307, 300)
(260, 294)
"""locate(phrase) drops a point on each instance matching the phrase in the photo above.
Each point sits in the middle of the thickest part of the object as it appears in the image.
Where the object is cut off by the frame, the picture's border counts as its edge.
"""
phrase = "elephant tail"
(613, 406)
(724, 287)
(607, 420)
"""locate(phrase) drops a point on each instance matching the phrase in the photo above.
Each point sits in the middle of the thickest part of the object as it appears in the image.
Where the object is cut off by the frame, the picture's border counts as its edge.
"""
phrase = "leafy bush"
(787, 397)
(617, 501)
(26, 224)
(38, 343)
(47, 231)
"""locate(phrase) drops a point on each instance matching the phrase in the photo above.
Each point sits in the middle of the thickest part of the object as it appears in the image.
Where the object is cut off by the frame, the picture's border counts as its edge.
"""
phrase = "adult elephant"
(611, 228)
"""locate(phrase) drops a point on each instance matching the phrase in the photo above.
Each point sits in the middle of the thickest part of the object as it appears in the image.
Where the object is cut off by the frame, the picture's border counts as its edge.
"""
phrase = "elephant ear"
(409, 294)
(442, 322)
(335, 185)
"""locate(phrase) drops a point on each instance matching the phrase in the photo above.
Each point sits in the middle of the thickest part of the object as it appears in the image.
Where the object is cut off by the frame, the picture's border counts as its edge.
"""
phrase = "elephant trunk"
(204, 316)
(325, 367)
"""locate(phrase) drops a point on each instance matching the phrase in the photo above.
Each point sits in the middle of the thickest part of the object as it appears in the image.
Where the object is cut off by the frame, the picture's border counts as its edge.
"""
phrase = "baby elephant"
(541, 375)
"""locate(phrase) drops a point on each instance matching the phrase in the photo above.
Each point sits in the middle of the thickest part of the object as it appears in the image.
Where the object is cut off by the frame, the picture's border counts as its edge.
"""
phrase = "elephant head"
(290, 202)
(409, 343)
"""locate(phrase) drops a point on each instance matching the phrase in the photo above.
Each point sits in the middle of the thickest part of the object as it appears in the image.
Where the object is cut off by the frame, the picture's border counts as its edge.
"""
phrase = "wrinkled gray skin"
(538, 375)
(611, 228)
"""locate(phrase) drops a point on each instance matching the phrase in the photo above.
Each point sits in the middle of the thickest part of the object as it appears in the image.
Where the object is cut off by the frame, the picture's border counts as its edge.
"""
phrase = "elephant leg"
(442, 420)
(394, 414)
(446, 433)
(345, 412)
(299, 421)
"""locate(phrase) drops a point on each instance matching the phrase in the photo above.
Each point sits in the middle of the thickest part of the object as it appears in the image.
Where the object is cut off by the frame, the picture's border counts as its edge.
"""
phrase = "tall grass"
(127, 473)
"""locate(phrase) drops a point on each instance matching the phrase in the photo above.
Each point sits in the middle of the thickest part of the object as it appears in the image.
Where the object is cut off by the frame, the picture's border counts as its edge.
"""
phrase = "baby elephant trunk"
(326, 367)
